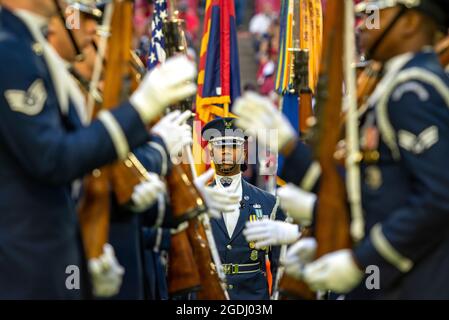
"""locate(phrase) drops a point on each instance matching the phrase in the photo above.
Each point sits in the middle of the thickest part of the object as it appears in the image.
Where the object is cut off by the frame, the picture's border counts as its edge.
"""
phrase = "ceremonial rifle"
(332, 218)
(121, 177)
(202, 242)
(94, 206)
(332, 227)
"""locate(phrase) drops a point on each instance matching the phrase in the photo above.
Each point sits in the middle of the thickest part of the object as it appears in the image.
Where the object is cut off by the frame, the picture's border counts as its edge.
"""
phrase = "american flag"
(157, 45)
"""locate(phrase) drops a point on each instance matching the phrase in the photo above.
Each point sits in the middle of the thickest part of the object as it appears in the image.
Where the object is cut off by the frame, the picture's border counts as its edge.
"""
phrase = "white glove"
(174, 131)
(165, 85)
(146, 193)
(298, 255)
(336, 271)
(106, 273)
(217, 200)
(271, 233)
(258, 116)
(297, 203)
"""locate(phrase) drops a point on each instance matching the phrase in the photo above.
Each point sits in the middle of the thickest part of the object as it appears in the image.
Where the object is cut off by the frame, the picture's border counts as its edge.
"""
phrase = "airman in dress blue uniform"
(46, 144)
(125, 229)
(404, 180)
(244, 264)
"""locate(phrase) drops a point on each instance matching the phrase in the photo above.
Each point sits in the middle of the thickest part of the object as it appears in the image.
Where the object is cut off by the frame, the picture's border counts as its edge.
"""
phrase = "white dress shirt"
(229, 218)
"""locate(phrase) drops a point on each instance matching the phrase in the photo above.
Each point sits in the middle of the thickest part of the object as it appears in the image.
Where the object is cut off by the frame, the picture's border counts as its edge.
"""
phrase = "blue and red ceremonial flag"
(219, 69)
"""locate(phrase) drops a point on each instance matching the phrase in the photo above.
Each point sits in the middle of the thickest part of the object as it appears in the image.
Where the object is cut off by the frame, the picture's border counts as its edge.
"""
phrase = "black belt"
(230, 268)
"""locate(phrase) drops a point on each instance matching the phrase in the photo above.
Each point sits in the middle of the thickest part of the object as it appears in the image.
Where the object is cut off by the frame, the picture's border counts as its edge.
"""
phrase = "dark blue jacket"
(406, 194)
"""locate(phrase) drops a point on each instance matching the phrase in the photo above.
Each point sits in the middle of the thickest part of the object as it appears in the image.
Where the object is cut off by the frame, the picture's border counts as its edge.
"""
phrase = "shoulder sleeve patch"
(30, 102)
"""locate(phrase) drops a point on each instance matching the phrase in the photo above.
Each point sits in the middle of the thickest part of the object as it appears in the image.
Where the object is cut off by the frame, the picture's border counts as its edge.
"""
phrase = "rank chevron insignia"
(30, 102)
(418, 144)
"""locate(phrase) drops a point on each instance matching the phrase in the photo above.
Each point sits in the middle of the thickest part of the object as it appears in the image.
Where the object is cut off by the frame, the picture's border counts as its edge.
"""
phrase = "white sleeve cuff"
(164, 166)
(304, 211)
(388, 252)
(116, 134)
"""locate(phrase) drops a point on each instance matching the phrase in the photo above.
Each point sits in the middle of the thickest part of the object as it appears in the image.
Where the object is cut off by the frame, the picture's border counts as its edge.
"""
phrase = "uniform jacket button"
(230, 287)
(229, 247)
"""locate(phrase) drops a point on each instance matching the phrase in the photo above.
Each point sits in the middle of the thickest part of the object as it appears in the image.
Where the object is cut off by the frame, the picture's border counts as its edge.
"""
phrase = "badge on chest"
(370, 139)
(256, 215)
(373, 177)
(370, 144)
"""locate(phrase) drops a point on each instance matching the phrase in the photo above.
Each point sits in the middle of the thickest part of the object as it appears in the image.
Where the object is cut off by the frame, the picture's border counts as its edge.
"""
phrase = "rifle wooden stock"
(332, 219)
(124, 177)
(120, 80)
(183, 275)
(190, 265)
(93, 212)
(120, 177)
(211, 288)
(186, 202)
(95, 206)
(291, 289)
(210, 283)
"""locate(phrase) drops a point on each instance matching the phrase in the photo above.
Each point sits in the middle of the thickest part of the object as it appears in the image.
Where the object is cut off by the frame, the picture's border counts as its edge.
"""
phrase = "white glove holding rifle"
(106, 273)
(271, 233)
(146, 193)
(298, 255)
(336, 271)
